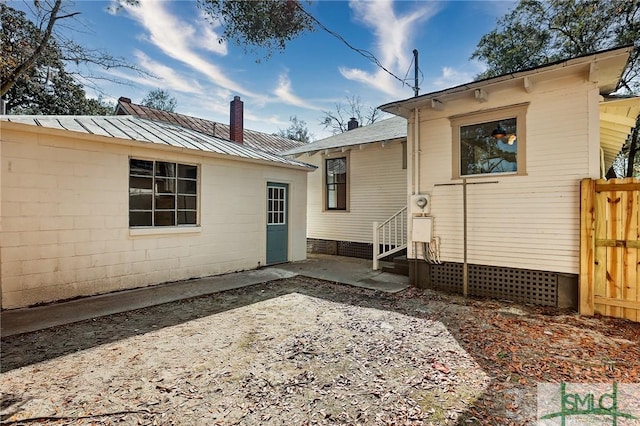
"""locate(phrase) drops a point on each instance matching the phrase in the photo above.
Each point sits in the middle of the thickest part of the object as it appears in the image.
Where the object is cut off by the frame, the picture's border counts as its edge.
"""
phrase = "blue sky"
(172, 40)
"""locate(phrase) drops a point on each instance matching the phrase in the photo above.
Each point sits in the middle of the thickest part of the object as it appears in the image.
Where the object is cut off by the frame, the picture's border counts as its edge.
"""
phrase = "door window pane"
(276, 205)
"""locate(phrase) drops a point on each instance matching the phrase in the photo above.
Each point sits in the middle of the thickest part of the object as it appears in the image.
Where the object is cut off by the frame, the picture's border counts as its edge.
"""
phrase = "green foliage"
(297, 131)
(267, 24)
(160, 99)
(536, 32)
(45, 87)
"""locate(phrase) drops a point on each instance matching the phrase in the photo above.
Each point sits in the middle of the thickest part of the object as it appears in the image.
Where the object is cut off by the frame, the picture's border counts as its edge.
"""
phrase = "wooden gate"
(609, 244)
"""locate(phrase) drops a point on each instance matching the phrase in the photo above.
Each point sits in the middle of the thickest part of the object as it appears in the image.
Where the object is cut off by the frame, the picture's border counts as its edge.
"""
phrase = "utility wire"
(406, 75)
(365, 53)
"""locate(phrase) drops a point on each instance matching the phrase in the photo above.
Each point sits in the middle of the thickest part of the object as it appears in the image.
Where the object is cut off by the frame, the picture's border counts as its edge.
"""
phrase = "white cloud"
(165, 75)
(451, 77)
(285, 94)
(394, 36)
(178, 40)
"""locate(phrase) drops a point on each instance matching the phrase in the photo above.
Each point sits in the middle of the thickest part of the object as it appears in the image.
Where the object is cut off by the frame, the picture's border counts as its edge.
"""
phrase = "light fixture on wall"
(499, 133)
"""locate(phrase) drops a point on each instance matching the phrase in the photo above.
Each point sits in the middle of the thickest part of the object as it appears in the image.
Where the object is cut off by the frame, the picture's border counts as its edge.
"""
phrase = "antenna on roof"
(416, 89)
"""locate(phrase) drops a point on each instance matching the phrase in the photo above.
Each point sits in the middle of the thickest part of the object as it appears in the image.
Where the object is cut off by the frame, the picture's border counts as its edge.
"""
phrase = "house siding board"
(530, 221)
(66, 227)
(377, 190)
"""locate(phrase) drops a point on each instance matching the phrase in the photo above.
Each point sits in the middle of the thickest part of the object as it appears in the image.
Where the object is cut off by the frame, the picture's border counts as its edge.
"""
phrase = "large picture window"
(162, 193)
(488, 148)
(489, 143)
(336, 183)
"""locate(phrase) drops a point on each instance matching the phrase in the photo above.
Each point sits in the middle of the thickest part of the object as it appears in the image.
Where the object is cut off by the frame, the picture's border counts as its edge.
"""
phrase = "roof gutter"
(406, 106)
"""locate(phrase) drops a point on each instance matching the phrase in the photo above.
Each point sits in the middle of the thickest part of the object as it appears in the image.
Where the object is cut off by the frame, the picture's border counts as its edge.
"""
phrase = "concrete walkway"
(345, 270)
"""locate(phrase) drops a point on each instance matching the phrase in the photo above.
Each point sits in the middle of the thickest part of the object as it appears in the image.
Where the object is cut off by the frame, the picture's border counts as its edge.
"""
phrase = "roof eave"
(151, 145)
(607, 79)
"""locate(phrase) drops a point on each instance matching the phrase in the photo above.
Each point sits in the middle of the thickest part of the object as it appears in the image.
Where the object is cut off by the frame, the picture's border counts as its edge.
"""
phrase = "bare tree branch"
(28, 63)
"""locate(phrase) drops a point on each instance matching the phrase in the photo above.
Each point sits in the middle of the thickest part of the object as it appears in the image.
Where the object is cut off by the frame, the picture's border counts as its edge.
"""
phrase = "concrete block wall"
(65, 219)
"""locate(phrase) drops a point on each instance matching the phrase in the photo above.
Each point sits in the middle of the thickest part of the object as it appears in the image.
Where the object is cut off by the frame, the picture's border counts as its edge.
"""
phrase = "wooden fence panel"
(609, 244)
(587, 247)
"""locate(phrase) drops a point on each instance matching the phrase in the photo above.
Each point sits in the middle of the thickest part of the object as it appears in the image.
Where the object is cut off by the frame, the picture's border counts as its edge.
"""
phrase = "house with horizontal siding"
(92, 205)
(360, 178)
(500, 161)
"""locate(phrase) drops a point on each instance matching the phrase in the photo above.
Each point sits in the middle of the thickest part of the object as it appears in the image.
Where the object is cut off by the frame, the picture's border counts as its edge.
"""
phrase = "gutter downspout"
(416, 152)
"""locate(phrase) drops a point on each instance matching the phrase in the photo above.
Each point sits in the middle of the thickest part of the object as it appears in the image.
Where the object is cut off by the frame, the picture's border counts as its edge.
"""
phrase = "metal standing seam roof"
(254, 139)
(143, 130)
(384, 130)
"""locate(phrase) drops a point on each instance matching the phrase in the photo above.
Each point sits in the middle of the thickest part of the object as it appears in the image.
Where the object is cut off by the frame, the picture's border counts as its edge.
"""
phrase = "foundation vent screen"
(519, 285)
(351, 249)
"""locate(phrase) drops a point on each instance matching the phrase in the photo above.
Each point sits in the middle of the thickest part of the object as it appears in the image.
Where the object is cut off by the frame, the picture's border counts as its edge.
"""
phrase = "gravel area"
(302, 351)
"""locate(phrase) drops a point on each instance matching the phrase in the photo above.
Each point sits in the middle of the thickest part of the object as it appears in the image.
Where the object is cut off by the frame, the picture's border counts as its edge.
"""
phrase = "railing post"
(376, 246)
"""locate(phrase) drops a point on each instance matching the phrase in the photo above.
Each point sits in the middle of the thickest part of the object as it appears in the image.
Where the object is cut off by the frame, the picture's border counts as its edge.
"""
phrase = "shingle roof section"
(257, 140)
(143, 130)
(387, 130)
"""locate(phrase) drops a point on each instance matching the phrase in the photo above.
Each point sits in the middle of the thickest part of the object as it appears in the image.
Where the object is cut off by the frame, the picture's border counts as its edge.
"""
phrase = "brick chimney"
(236, 121)
(352, 124)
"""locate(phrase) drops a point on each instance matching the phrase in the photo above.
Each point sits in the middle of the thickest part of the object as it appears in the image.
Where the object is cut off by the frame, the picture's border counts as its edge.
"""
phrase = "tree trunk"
(41, 44)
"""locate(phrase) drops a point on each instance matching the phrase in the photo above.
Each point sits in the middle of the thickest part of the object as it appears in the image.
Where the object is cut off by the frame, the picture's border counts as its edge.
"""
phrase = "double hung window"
(336, 183)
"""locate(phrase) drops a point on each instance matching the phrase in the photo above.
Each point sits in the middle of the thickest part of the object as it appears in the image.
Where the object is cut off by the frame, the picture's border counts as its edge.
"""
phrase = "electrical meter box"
(421, 229)
(420, 203)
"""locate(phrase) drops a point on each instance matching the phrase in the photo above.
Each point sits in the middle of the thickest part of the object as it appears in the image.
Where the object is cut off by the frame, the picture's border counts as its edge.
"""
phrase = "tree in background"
(297, 131)
(160, 99)
(338, 120)
(537, 32)
(44, 87)
(25, 43)
(266, 24)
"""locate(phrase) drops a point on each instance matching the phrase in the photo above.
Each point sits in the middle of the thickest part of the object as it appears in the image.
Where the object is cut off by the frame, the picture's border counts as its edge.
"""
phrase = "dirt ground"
(301, 351)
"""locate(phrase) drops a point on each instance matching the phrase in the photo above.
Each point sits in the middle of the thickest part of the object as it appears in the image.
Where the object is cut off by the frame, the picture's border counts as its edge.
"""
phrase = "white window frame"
(176, 209)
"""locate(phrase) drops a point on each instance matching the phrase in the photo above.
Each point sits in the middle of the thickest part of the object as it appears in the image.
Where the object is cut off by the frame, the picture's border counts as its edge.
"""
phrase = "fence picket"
(630, 264)
(600, 267)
